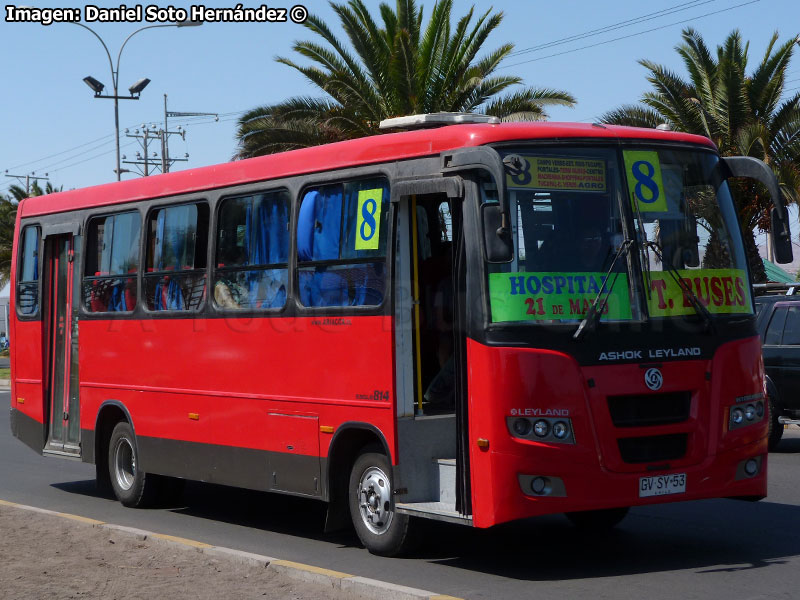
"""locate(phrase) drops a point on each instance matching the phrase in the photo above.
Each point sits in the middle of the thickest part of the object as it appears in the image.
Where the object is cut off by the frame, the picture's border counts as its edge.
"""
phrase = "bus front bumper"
(534, 489)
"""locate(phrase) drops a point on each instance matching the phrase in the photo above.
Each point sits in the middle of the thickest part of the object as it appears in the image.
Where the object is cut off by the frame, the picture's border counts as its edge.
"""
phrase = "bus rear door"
(60, 344)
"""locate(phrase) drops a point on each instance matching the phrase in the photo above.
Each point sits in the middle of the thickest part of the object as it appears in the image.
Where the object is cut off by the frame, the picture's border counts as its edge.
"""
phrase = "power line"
(59, 153)
(614, 26)
(624, 37)
(91, 158)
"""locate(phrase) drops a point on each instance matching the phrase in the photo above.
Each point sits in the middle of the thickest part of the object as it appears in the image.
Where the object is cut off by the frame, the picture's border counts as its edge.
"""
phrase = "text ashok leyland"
(652, 353)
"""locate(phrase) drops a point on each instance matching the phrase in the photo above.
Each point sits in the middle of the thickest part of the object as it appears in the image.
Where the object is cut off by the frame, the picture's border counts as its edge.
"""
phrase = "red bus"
(476, 323)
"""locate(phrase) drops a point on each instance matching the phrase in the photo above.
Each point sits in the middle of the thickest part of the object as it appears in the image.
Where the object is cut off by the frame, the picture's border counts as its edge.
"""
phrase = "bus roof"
(351, 153)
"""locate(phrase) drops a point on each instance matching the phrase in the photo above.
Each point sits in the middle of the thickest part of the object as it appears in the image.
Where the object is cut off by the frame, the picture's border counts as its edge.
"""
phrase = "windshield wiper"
(596, 309)
(698, 306)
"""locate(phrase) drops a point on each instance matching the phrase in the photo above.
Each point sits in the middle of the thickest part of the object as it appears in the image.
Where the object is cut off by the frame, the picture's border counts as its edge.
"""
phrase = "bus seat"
(305, 227)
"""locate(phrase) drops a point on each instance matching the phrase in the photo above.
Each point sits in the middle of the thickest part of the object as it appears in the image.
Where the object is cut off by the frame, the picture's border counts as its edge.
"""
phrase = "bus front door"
(61, 344)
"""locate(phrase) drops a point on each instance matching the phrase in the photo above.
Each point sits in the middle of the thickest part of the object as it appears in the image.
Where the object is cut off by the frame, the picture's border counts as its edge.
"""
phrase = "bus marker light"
(482, 443)
(194, 416)
(20, 400)
(326, 429)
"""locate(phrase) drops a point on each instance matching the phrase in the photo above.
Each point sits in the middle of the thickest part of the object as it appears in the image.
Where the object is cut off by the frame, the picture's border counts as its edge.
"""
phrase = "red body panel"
(502, 380)
(233, 373)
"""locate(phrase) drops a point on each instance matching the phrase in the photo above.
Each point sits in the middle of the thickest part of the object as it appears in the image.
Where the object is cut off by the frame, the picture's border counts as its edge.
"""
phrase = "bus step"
(439, 511)
(447, 481)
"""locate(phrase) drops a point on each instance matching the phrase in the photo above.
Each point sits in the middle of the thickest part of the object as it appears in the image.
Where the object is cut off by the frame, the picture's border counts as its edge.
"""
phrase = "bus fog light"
(539, 485)
(750, 412)
(541, 428)
(737, 416)
(760, 409)
(560, 430)
(751, 467)
(522, 427)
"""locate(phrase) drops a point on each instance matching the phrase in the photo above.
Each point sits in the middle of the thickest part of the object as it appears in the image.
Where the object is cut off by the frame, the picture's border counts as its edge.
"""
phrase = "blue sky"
(51, 123)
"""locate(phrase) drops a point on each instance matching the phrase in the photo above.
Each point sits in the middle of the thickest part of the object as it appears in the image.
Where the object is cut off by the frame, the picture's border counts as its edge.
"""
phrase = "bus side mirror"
(781, 236)
(496, 235)
(747, 166)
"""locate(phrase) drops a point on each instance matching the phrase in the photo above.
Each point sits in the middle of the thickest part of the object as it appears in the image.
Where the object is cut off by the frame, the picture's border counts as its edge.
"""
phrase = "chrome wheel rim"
(124, 464)
(375, 500)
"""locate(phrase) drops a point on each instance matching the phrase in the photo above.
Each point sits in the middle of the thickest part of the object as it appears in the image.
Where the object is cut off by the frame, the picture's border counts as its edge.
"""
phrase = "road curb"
(362, 586)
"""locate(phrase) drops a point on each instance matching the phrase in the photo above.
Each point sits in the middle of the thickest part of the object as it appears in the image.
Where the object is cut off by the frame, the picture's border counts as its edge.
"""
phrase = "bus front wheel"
(775, 427)
(132, 486)
(382, 530)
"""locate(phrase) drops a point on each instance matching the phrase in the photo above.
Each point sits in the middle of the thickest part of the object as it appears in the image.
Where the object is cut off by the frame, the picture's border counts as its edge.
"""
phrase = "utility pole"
(165, 152)
(147, 161)
(27, 179)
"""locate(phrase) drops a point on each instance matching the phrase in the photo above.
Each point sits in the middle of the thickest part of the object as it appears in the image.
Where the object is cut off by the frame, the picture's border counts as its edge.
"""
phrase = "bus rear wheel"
(597, 520)
(132, 486)
(379, 527)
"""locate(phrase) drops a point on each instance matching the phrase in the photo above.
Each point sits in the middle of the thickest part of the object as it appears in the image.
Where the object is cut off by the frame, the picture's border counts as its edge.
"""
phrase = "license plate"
(661, 485)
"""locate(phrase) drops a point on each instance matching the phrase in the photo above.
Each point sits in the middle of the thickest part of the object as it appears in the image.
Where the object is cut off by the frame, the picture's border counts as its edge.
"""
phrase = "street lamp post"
(135, 90)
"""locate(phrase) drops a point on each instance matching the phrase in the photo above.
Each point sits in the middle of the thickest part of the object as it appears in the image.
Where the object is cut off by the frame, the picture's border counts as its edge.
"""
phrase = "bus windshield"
(571, 212)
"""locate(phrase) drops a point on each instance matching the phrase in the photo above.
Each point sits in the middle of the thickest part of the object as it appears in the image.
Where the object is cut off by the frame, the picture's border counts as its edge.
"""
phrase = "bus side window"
(176, 258)
(28, 272)
(251, 270)
(112, 263)
(341, 244)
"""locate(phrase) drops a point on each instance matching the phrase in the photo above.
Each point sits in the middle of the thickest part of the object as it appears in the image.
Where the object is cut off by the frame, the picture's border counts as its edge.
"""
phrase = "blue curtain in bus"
(174, 294)
(117, 301)
(318, 236)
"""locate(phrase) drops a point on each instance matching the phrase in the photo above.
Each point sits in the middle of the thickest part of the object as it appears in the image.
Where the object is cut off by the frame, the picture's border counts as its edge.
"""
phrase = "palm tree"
(394, 68)
(8, 217)
(742, 113)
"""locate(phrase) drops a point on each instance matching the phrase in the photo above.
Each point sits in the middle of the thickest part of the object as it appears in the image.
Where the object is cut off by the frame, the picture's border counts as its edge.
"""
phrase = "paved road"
(709, 549)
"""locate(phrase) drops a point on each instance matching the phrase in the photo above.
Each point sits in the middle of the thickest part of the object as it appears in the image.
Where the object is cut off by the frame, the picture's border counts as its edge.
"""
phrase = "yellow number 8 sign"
(645, 185)
(368, 219)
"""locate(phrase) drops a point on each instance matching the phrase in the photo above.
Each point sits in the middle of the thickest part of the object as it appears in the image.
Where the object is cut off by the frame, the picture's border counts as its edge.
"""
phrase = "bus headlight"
(737, 416)
(560, 430)
(749, 412)
(522, 427)
(541, 429)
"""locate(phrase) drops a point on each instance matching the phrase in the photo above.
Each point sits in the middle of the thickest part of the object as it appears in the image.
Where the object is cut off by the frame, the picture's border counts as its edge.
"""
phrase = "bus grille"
(650, 409)
(653, 448)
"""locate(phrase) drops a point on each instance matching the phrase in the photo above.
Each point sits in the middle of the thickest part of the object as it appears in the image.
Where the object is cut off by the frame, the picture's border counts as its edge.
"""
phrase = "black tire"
(775, 428)
(382, 530)
(132, 486)
(598, 520)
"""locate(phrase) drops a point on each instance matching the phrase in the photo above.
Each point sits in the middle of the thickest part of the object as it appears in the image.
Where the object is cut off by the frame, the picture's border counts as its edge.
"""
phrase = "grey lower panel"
(228, 465)
(87, 445)
(28, 430)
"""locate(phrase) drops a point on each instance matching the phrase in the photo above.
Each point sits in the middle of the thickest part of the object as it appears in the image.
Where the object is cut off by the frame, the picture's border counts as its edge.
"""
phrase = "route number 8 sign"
(645, 185)
(368, 219)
